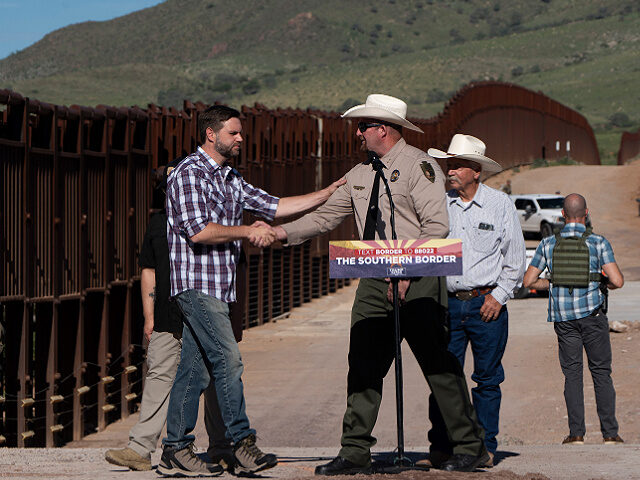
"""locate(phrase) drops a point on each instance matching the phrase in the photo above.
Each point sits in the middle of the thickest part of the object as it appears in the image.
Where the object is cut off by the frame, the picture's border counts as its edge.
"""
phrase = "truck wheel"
(546, 230)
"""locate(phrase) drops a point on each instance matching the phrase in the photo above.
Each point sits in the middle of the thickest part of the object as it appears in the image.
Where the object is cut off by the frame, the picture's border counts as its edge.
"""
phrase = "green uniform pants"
(371, 353)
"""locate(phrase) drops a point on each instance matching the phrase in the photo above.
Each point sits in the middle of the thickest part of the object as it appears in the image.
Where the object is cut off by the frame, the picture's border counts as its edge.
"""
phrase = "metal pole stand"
(398, 462)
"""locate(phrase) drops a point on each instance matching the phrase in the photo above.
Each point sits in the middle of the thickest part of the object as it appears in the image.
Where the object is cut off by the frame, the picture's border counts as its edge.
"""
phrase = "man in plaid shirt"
(579, 322)
(205, 201)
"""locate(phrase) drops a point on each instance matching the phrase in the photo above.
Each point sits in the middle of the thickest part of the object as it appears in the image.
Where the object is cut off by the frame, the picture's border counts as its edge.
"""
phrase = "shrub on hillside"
(620, 119)
(251, 88)
(172, 97)
(517, 71)
(436, 95)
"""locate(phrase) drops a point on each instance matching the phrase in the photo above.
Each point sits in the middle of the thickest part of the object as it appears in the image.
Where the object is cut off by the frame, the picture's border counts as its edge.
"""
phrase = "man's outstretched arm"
(258, 234)
(301, 203)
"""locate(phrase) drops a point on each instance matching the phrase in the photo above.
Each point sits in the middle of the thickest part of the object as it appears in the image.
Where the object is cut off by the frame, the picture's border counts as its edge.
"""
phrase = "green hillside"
(329, 54)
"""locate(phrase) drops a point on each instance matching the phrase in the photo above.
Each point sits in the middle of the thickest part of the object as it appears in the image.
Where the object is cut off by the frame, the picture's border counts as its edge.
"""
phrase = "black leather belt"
(465, 295)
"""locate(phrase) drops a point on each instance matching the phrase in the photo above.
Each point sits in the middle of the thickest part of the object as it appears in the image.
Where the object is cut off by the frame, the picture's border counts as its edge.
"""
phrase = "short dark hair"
(214, 117)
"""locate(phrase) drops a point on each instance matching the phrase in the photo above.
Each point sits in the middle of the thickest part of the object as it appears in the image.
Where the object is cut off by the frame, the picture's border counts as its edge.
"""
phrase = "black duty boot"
(342, 466)
(464, 463)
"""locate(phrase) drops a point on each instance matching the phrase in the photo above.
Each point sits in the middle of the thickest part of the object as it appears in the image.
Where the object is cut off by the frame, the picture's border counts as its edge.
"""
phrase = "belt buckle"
(465, 295)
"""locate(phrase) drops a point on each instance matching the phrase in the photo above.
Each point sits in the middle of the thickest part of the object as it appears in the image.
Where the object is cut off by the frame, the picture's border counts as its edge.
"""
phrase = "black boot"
(342, 466)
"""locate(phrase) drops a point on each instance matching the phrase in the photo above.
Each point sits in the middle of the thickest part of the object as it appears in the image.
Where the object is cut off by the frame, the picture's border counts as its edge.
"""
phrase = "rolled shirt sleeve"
(188, 200)
(606, 252)
(322, 220)
(258, 202)
(514, 256)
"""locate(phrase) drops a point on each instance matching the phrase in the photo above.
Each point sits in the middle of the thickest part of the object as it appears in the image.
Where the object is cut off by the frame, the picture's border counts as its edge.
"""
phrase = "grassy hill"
(330, 54)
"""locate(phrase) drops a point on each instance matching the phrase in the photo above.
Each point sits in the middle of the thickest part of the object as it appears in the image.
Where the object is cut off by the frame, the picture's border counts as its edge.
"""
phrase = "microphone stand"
(400, 462)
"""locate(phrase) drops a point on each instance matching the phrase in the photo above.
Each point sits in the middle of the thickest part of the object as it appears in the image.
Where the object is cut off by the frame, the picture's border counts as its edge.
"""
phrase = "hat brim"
(486, 163)
(363, 111)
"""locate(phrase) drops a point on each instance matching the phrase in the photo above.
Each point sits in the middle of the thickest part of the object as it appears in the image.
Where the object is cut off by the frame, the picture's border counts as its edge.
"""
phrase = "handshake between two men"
(260, 234)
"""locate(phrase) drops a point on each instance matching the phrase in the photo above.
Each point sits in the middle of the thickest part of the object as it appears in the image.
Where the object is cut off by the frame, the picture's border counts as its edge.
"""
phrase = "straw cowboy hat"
(468, 148)
(385, 108)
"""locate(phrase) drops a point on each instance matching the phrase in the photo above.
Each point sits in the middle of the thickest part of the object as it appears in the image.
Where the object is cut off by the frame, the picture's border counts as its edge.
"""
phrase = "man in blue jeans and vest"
(206, 198)
(493, 261)
(578, 316)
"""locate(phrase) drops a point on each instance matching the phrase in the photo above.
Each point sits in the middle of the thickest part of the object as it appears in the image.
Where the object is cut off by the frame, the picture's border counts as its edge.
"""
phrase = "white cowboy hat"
(383, 107)
(469, 148)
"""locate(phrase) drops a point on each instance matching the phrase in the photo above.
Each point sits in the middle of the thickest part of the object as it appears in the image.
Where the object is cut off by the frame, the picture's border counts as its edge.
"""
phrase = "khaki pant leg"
(163, 356)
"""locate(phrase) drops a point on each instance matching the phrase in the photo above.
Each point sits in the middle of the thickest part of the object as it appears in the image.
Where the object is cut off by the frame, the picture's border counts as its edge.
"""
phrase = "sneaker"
(613, 440)
(249, 458)
(223, 457)
(126, 457)
(573, 440)
(185, 463)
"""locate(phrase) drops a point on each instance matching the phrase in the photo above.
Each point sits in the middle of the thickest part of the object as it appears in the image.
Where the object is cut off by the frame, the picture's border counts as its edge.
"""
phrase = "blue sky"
(24, 22)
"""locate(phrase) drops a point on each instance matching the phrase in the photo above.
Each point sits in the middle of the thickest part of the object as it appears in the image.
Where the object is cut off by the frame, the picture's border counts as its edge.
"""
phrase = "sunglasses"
(363, 126)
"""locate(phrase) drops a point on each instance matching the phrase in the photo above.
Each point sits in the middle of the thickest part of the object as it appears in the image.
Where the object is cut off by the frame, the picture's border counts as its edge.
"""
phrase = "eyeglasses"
(363, 126)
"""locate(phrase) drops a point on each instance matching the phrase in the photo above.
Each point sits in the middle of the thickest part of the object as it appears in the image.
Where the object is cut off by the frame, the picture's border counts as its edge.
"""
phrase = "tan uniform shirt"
(417, 188)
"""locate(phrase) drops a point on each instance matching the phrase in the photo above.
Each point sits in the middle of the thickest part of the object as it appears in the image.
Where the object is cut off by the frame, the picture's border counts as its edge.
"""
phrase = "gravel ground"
(524, 462)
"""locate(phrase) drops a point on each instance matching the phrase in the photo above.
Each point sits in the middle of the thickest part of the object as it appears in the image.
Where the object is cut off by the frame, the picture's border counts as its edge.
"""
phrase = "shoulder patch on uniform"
(395, 175)
(358, 187)
(428, 171)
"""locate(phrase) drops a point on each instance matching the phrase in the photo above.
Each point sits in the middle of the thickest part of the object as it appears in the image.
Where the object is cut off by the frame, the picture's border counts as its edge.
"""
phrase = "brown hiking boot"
(250, 459)
(126, 457)
(613, 440)
(185, 463)
(577, 440)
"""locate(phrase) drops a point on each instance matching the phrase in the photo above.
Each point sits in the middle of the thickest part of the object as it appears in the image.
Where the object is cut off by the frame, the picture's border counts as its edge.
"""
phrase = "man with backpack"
(575, 256)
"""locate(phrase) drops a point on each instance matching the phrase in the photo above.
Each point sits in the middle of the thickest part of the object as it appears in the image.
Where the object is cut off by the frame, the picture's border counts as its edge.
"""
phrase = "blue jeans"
(208, 349)
(488, 342)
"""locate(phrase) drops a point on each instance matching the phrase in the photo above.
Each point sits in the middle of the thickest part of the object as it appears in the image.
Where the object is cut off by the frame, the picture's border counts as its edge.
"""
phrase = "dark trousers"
(592, 334)
(488, 341)
(371, 353)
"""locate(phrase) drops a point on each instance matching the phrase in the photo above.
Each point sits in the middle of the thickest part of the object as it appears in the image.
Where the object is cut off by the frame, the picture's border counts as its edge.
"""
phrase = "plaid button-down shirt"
(564, 306)
(199, 192)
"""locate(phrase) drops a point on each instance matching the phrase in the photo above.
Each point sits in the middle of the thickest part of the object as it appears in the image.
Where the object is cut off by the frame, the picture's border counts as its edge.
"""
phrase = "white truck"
(539, 213)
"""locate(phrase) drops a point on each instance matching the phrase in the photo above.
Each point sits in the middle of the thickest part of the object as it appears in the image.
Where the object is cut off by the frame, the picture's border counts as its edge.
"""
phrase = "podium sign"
(395, 258)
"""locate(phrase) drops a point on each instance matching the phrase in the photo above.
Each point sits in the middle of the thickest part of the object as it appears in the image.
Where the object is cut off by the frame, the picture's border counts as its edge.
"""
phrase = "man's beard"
(227, 151)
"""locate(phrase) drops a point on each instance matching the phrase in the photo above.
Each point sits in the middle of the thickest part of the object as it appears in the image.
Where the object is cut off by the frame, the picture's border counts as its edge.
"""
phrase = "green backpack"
(570, 262)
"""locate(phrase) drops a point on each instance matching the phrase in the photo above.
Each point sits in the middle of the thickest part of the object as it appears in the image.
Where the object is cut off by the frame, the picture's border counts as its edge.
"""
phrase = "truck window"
(551, 202)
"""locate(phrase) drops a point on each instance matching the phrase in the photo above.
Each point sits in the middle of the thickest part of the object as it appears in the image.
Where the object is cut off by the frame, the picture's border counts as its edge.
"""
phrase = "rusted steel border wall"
(629, 147)
(517, 124)
(76, 198)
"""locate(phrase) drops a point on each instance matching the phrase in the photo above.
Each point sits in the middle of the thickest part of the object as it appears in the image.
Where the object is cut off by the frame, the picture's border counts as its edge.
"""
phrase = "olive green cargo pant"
(371, 353)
